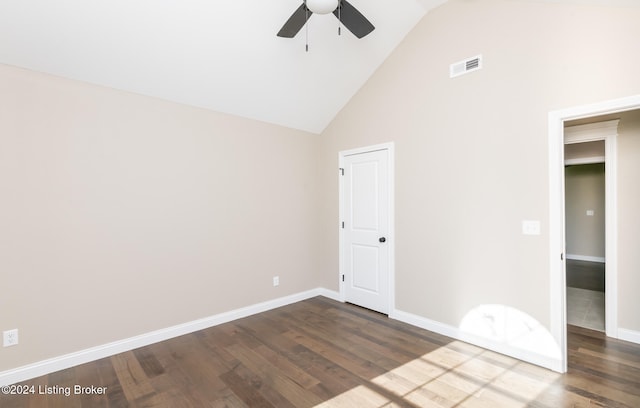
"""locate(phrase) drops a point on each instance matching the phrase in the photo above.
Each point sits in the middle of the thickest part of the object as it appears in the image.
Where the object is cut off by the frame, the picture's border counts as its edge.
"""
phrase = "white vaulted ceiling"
(215, 54)
(219, 55)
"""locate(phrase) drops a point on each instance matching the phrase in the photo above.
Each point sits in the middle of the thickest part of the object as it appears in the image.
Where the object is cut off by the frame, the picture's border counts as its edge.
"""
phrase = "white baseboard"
(554, 364)
(587, 258)
(331, 294)
(629, 335)
(94, 353)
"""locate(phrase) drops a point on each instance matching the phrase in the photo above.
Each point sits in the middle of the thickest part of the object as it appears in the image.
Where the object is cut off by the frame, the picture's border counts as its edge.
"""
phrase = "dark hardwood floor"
(324, 353)
(586, 275)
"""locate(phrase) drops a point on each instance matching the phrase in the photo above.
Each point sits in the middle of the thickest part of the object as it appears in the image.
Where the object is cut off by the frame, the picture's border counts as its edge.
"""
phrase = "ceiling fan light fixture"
(322, 6)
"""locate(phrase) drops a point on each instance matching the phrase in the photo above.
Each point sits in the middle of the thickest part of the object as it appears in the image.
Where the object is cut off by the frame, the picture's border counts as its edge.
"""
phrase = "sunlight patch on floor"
(459, 374)
(361, 396)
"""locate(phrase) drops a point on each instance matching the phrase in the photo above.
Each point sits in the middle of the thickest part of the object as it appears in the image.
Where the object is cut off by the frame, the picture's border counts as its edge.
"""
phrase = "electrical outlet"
(10, 338)
(276, 280)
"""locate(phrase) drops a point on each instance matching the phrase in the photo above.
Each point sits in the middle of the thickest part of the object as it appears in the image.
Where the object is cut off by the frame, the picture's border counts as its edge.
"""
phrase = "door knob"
(382, 239)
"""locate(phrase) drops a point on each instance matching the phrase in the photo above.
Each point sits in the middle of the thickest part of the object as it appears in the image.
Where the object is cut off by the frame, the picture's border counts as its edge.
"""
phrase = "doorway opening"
(585, 211)
(590, 215)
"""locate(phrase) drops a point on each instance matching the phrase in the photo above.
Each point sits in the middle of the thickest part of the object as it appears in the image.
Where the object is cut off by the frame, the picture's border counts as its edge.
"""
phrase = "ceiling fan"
(342, 9)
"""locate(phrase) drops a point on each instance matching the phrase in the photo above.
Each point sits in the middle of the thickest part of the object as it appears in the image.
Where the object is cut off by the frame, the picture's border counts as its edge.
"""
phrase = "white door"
(365, 240)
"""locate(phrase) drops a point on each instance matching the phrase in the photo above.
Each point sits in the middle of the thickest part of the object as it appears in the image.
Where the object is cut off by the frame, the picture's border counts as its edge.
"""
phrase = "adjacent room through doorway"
(585, 234)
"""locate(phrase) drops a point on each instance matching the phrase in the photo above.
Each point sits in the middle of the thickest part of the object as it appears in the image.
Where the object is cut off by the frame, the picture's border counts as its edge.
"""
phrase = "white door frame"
(390, 147)
(558, 309)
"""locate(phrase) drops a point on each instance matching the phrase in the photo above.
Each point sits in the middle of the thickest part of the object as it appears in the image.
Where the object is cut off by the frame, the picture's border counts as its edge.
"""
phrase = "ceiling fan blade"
(353, 19)
(295, 22)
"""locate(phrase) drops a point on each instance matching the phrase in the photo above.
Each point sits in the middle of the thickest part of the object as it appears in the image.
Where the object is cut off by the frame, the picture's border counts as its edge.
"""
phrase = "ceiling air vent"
(466, 66)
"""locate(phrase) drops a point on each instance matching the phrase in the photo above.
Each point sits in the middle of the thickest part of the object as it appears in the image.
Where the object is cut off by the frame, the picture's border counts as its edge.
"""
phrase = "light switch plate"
(590, 213)
(531, 227)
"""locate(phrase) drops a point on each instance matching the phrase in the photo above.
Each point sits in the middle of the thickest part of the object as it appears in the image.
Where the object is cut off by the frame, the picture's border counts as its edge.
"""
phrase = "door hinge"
(562, 257)
(342, 224)
(343, 278)
(341, 171)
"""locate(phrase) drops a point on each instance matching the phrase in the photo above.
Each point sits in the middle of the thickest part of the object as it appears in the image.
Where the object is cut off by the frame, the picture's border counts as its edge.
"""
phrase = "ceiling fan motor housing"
(322, 6)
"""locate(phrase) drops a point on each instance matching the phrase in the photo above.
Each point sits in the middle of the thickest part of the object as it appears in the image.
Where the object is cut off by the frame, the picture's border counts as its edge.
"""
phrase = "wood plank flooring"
(586, 275)
(327, 354)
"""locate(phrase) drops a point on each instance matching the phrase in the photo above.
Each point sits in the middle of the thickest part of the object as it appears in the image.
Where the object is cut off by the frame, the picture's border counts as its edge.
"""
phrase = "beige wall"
(122, 214)
(584, 191)
(472, 152)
